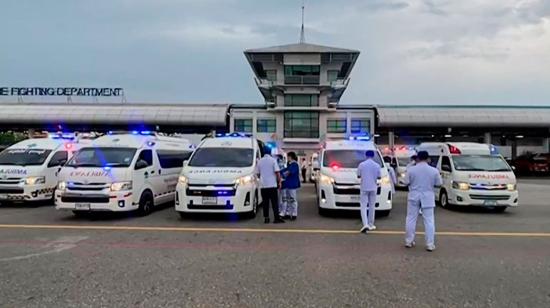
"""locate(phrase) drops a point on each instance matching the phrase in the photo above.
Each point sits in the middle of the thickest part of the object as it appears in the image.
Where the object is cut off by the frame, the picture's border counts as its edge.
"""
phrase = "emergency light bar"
(235, 135)
(360, 138)
(494, 150)
(133, 132)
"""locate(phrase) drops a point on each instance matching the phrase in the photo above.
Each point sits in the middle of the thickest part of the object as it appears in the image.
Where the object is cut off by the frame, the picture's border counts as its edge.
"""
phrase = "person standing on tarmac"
(291, 184)
(421, 179)
(369, 173)
(282, 193)
(304, 169)
(270, 181)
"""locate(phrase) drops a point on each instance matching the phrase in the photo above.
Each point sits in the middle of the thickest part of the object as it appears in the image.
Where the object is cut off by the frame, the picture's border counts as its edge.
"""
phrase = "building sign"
(61, 91)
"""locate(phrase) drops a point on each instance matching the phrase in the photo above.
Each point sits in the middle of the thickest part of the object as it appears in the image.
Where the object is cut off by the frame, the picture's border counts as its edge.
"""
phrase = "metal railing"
(301, 79)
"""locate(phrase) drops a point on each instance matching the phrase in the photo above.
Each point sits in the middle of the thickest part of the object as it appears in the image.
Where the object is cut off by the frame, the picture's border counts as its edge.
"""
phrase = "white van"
(29, 169)
(401, 158)
(220, 177)
(338, 187)
(123, 172)
(473, 174)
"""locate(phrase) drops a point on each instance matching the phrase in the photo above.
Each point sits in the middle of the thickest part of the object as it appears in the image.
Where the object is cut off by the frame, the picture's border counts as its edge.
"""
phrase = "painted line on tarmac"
(269, 230)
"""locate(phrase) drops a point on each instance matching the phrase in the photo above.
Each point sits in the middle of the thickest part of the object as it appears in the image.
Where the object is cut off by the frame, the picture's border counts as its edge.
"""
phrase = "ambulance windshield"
(480, 163)
(222, 157)
(24, 157)
(347, 158)
(103, 157)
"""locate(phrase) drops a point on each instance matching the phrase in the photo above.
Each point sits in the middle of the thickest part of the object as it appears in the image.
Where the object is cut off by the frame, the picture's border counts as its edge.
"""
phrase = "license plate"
(489, 202)
(209, 200)
(82, 206)
(355, 198)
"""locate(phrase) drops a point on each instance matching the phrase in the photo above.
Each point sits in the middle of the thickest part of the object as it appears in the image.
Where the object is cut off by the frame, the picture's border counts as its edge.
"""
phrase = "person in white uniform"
(421, 179)
(369, 173)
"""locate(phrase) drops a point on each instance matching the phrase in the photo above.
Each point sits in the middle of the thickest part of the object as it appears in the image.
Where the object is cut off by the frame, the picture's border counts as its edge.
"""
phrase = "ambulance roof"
(349, 145)
(40, 143)
(139, 141)
(465, 148)
(228, 142)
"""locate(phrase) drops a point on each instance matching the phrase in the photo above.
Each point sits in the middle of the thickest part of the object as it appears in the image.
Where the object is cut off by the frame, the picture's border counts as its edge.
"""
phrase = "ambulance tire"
(444, 199)
(384, 213)
(255, 204)
(499, 209)
(323, 212)
(184, 215)
(146, 203)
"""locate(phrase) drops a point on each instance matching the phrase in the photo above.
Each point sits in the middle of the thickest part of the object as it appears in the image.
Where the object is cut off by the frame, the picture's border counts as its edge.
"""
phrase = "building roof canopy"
(463, 116)
(214, 115)
(301, 48)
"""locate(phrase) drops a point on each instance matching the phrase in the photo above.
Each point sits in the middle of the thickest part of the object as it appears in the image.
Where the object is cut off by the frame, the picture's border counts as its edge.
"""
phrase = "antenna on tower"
(302, 33)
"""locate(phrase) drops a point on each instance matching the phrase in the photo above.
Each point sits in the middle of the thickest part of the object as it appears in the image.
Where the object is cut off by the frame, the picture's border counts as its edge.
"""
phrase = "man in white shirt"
(421, 179)
(270, 182)
(369, 173)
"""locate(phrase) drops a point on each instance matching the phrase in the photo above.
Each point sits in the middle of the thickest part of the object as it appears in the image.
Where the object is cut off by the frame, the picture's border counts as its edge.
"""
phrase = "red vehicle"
(529, 164)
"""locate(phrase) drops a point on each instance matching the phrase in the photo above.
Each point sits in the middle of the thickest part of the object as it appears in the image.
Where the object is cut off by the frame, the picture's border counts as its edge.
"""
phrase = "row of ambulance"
(137, 171)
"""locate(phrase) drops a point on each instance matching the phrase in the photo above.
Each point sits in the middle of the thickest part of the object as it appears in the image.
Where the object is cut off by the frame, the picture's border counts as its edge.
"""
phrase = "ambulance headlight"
(326, 180)
(384, 181)
(183, 180)
(245, 180)
(34, 180)
(511, 187)
(118, 186)
(461, 185)
(402, 174)
(62, 185)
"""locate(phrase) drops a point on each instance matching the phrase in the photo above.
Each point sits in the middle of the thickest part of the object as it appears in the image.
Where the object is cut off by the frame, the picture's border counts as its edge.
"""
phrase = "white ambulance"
(29, 169)
(401, 158)
(220, 177)
(122, 172)
(338, 187)
(473, 174)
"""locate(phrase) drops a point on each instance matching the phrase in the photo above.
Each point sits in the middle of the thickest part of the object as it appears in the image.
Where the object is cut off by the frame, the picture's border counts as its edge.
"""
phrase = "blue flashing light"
(146, 132)
(360, 138)
(110, 132)
(107, 168)
(234, 135)
(135, 132)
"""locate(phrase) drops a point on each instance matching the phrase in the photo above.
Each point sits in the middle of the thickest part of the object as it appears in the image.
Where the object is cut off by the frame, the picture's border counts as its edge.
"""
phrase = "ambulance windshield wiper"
(85, 165)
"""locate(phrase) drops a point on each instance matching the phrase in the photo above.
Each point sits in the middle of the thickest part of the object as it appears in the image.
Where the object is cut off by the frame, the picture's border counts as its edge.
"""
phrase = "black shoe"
(278, 221)
(292, 218)
(285, 217)
(266, 220)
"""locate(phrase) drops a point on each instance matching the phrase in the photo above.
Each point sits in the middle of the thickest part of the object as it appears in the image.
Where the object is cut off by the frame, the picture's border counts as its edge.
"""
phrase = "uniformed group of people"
(279, 186)
(421, 179)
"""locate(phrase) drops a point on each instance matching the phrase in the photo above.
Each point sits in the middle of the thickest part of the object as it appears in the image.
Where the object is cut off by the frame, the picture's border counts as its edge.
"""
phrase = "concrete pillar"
(348, 123)
(546, 144)
(487, 138)
(391, 139)
(514, 148)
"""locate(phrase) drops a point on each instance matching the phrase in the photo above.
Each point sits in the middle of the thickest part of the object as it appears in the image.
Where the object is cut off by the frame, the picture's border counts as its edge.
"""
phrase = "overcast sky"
(412, 51)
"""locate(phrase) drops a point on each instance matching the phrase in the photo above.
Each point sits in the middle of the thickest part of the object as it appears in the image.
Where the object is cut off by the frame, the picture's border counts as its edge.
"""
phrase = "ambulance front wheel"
(384, 213)
(146, 203)
(255, 204)
(444, 199)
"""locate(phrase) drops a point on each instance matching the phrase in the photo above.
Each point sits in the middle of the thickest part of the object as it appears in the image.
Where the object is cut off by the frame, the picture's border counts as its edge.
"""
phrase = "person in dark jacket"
(291, 184)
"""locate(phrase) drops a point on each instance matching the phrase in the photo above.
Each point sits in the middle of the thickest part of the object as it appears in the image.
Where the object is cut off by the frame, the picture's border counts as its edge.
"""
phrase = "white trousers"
(368, 203)
(289, 205)
(282, 204)
(413, 210)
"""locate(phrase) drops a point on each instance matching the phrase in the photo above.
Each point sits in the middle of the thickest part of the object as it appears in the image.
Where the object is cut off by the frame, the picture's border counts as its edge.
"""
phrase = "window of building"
(332, 75)
(266, 126)
(301, 100)
(271, 75)
(336, 126)
(243, 125)
(360, 126)
(302, 70)
(301, 124)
